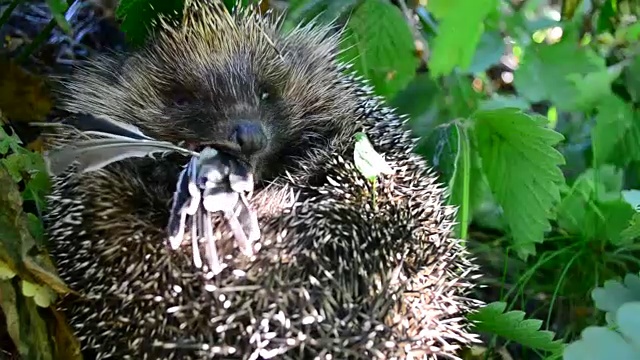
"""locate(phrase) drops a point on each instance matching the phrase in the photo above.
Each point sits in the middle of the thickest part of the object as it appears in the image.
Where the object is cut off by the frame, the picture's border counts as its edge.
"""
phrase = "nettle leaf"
(522, 168)
(459, 32)
(594, 207)
(545, 72)
(512, 326)
(615, 128)
(139, 16)
(379, 43)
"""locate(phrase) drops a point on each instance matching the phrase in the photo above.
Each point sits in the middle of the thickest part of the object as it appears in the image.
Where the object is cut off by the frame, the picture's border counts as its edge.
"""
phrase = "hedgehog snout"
(250, 137)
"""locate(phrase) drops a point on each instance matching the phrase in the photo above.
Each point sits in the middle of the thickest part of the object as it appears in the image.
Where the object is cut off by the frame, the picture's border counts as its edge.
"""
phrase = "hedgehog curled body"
(336, 277)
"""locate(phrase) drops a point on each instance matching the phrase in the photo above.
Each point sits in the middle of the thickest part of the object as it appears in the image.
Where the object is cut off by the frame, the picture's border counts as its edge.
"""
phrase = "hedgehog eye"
(181, 100)
(265, 95)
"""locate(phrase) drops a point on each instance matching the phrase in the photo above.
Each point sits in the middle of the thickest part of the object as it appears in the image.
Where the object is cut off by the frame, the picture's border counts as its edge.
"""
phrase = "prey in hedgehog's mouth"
(217, 179)
(213, 182)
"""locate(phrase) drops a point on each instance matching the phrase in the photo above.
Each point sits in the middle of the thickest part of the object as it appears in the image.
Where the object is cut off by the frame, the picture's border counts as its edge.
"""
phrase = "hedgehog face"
(275, 97)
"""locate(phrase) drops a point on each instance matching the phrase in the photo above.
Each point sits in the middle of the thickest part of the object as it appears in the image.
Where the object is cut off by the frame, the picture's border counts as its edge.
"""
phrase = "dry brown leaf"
(24, 97)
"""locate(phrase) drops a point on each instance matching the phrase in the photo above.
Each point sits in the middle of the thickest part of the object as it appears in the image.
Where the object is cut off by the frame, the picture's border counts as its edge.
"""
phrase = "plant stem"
(37, 41)
(7, 12)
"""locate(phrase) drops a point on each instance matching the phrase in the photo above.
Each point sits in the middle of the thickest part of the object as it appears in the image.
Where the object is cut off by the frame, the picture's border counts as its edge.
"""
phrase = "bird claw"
(213, 183)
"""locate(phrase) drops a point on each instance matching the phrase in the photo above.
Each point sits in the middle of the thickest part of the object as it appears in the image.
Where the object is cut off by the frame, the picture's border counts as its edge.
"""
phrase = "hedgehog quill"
(272, 117)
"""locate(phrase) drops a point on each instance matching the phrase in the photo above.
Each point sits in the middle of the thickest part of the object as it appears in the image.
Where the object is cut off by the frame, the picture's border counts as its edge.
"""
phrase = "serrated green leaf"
(614, 124)
(512, 326)
(8, 142)
(628, 321)
(599, 343)
(522, 168)
(460, 29)
(613, 293)
(138, 16)
(379, 43)
(594, 207)
(544, 71)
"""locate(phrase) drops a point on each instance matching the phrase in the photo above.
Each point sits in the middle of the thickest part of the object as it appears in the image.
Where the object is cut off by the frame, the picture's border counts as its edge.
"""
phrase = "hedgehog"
(338, 273)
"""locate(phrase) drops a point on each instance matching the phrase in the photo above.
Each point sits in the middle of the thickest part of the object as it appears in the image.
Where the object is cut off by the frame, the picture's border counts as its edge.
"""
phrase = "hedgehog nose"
(250, 137)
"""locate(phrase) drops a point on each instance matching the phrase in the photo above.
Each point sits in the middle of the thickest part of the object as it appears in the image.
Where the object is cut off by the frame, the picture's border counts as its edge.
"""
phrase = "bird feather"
(94, 154)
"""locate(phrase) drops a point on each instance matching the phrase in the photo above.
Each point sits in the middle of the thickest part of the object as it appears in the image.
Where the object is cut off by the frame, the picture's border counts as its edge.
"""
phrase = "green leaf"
(512, 326)
(139, 16)
(42, 295)
(593, 87)
(489, 51)
(613, 294)
(569, 8)
(379, 43)
(498, 101)
(58, 10)
(8, 142)
(614, 128)
(460, 98)
(632, 232)
(522, 169)
(628, 321)
(36, 228)
(594, 207)
(6, 272)
(461, 26)
(27, 328)
(450, 152)
(544, 71)
(36, 190)
(600, 343)
(632, 80)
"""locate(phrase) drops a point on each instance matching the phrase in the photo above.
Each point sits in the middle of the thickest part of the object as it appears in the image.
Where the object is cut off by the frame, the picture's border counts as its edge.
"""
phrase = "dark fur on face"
(197, 81)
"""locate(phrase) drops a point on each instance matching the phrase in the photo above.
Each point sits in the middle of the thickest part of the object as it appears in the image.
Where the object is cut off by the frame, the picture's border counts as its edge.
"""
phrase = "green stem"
(466, 183)
(375, 193)
(39, 40)
(7, 12)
